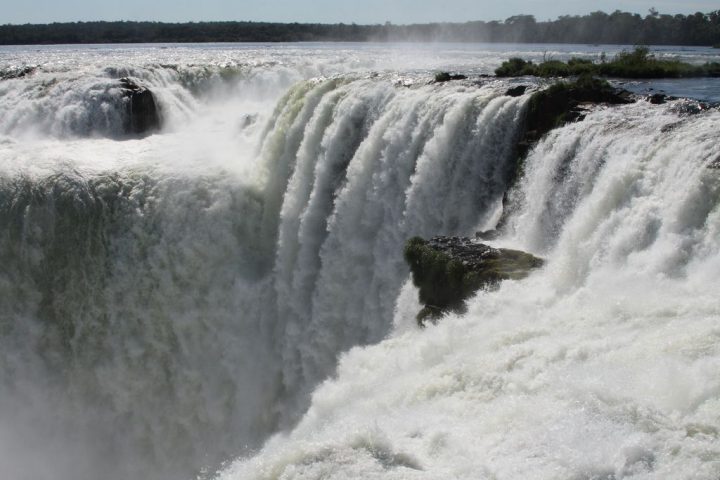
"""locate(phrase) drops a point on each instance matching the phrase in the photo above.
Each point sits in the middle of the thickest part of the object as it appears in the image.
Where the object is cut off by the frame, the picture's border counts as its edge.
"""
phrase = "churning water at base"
(602, 365)
(170, 303)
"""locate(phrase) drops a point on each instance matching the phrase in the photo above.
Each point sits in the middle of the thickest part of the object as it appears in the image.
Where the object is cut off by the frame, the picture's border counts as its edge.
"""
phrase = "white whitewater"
(175, 304)
(602, 365)
(168, 305)
(378, 165)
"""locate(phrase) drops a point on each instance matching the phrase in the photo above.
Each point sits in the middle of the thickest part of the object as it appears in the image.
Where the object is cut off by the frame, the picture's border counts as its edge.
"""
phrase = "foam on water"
(602, 365)
(173, 300)
(170, 302)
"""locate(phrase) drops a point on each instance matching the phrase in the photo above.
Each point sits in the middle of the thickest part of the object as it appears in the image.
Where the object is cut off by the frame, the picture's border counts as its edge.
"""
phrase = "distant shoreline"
(617, 28)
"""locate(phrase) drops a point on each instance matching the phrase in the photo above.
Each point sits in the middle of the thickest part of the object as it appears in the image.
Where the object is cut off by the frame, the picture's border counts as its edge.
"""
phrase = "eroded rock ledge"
(564, 102)
(552, 107)
(143, 115)
(448, 270)
(17, 72)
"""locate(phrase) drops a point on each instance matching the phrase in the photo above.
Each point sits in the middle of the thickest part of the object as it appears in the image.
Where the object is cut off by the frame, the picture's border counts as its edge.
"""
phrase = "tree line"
(596, 28)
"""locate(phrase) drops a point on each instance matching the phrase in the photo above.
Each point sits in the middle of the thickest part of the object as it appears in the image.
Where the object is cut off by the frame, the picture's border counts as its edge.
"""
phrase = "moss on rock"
(556, 105)
(448, 270)
(441, 77)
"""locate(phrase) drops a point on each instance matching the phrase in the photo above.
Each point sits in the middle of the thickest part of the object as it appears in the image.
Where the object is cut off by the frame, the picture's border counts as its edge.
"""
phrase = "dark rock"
(487, 235)
(553, 107)
(687, 107)
(624, 97)
(448, 270)
(657, 98)
(516, 91)
(446, 77)
(143, 115)
(715, 165)
(578, 112)
(17, 72)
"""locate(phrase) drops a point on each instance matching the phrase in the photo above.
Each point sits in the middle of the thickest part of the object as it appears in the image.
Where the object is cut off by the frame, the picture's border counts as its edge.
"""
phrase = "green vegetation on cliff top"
(639, 63)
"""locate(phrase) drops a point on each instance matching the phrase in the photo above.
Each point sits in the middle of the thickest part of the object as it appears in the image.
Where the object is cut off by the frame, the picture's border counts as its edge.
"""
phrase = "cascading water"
(171, 302)
(377, 165)
(602, 365)
(166, 307)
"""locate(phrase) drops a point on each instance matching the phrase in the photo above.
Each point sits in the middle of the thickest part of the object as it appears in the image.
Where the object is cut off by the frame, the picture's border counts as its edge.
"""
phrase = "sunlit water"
(228, 296)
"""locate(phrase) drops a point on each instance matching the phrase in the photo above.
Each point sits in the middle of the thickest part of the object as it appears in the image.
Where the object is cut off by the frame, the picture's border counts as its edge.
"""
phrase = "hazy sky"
(326, 11)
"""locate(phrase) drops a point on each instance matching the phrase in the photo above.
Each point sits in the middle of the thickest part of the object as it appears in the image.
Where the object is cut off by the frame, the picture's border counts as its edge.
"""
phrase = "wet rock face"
(658, 98)
(516, 91)
(16, 72)
(559, 104)
(143, 115)
(448, 270)
(442, 77)
(553, 107)
(687, 107)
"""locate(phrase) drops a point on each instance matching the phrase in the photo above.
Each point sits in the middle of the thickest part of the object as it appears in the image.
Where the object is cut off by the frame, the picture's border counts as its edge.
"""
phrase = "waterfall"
(89, 101)
(225, 296)
(164, 306)
(377, 165)
(603, 364)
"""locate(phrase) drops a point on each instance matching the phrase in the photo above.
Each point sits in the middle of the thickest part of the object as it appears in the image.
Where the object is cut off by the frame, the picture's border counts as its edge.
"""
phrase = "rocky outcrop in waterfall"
(16, 72)
(442, 77)
(516, 91)
(563, 102)
(143, 115)
(448, 270)
(553, 107)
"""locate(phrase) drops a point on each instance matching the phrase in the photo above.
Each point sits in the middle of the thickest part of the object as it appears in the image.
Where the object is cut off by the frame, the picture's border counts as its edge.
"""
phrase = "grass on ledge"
(639, 63)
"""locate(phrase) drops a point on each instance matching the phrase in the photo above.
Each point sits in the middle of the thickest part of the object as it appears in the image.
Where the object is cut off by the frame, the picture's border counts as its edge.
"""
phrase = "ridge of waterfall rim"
(227, 298)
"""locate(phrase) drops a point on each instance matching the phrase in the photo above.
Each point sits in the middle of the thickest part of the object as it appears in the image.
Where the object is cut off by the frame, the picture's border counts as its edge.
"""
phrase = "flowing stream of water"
(231, 291)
